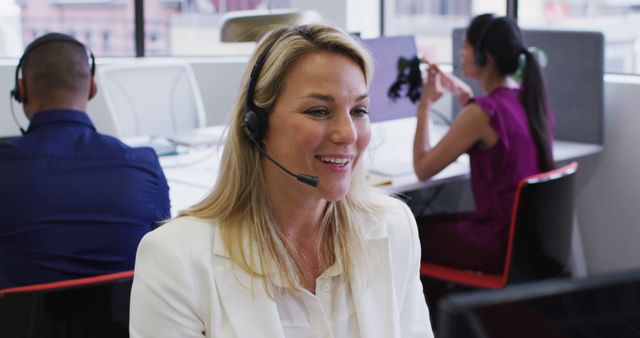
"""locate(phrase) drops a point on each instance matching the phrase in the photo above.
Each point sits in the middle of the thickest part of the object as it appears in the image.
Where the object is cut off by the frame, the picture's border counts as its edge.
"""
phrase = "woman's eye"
(360, 112)
(318, 112)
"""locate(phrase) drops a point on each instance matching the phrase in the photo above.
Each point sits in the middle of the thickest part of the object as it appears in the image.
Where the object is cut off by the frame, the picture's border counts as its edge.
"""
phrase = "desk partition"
(574, 74)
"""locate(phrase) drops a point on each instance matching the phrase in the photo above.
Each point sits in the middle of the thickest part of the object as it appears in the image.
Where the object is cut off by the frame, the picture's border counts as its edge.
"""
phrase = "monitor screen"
(601, 306)
(386, 52)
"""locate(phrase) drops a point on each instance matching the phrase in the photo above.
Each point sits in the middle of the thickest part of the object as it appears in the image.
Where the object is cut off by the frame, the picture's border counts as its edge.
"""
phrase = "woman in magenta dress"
(508, 134)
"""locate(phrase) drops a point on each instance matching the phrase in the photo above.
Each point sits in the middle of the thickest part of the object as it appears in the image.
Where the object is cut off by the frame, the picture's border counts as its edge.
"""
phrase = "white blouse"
(327, 314)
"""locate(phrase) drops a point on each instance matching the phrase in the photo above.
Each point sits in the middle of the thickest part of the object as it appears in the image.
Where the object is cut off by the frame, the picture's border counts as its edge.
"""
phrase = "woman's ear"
(490, 60)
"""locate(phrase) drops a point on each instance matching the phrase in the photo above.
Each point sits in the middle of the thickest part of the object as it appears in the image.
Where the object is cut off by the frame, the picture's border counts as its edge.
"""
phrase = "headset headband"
(43, 40)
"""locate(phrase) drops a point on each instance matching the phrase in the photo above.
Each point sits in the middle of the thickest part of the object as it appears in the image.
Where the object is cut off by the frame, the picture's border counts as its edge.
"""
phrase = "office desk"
(390, 154)
(191, 176)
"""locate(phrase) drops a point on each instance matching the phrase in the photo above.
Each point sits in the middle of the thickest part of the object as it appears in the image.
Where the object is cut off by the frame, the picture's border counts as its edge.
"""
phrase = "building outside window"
(618, 20)
(172, 27)
(433, 20)
(192, 27)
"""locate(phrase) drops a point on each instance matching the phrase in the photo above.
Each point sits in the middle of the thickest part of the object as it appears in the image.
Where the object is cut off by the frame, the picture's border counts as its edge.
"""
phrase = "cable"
(441, 116)
(181, 157)
(431, 199)
(13, 114)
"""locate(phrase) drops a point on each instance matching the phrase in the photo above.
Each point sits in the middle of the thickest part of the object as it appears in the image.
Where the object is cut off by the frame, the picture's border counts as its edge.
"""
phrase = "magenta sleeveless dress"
(495, 172)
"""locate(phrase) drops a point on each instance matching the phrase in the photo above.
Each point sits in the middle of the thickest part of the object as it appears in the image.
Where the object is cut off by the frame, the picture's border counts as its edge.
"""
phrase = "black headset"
(255, 119)
(479, 55)
(44, 39)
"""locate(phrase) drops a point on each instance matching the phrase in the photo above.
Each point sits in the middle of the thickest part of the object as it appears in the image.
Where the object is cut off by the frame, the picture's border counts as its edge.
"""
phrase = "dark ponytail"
(534, 99)
(501, 38)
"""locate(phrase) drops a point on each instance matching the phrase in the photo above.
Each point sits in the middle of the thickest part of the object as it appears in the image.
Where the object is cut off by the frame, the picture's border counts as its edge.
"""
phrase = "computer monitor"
(601, 306)
(386, 52)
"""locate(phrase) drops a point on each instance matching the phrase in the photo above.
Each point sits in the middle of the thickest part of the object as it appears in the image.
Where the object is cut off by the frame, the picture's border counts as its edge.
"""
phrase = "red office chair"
(86, 307)
(539, 234)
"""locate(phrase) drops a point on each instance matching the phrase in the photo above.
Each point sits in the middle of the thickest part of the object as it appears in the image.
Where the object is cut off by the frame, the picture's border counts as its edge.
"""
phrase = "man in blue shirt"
(73, 202)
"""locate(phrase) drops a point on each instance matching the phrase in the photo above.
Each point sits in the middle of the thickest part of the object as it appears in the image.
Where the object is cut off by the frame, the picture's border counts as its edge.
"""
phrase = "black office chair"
(602, 306)
(542, 243)
(539, 234)
(93, 307)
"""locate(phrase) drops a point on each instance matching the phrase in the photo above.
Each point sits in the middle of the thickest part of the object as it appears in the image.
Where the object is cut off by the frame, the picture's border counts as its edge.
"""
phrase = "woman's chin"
(335, 194)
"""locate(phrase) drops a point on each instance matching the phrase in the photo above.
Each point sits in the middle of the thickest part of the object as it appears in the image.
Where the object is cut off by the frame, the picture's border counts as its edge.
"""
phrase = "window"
(172, 27)
(105, 26)
(432, 21)
(10, 29)
(188, 28)
(618, 20)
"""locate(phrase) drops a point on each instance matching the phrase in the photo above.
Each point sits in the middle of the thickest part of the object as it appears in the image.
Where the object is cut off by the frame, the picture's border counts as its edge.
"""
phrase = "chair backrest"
(539, 235)
(152, 98)
(86, 307)
(541, 225)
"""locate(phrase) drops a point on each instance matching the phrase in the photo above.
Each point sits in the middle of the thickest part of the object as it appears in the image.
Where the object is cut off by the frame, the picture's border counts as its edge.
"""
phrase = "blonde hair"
(239, 201)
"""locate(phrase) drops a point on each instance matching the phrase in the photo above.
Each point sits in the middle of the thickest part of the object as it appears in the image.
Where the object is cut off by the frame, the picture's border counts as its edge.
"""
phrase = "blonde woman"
(266, 255)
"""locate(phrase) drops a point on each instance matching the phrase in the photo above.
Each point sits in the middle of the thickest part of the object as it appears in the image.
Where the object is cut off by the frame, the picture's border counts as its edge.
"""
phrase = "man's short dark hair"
(57, 66)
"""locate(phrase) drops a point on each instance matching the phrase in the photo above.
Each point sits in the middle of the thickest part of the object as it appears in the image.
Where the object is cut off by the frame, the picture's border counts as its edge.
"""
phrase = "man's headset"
(47, 38)
(255, 120)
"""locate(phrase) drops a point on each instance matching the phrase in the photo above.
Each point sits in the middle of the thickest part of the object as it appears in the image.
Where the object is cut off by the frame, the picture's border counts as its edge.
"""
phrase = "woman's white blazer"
(186, 286)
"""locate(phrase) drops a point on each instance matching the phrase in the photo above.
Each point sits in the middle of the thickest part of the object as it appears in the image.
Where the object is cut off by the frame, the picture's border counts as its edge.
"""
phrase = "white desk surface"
(192, 175)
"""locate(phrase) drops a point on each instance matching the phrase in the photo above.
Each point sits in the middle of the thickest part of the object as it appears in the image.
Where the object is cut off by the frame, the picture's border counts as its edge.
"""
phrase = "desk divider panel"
(574, 75)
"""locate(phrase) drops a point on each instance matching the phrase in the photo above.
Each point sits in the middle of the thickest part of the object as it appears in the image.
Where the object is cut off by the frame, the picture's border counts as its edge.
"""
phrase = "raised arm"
(470, 127)
(455, 86)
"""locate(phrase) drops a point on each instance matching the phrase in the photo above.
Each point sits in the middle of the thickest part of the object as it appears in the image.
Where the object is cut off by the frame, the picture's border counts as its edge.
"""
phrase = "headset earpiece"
(15, 94)
(251, 126)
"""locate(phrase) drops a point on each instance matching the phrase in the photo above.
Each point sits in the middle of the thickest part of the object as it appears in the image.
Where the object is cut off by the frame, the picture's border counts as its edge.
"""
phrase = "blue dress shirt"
(73, 202)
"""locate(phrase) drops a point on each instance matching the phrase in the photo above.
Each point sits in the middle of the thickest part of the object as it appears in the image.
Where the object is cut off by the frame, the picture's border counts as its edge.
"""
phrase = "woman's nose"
(344, 130)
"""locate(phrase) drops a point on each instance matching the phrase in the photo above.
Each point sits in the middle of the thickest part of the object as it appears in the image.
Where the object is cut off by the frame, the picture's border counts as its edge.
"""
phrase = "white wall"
(362, 16)
(609, 199)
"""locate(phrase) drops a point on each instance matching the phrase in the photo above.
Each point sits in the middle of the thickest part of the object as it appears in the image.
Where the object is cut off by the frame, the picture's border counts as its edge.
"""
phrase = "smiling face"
(319, 126)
